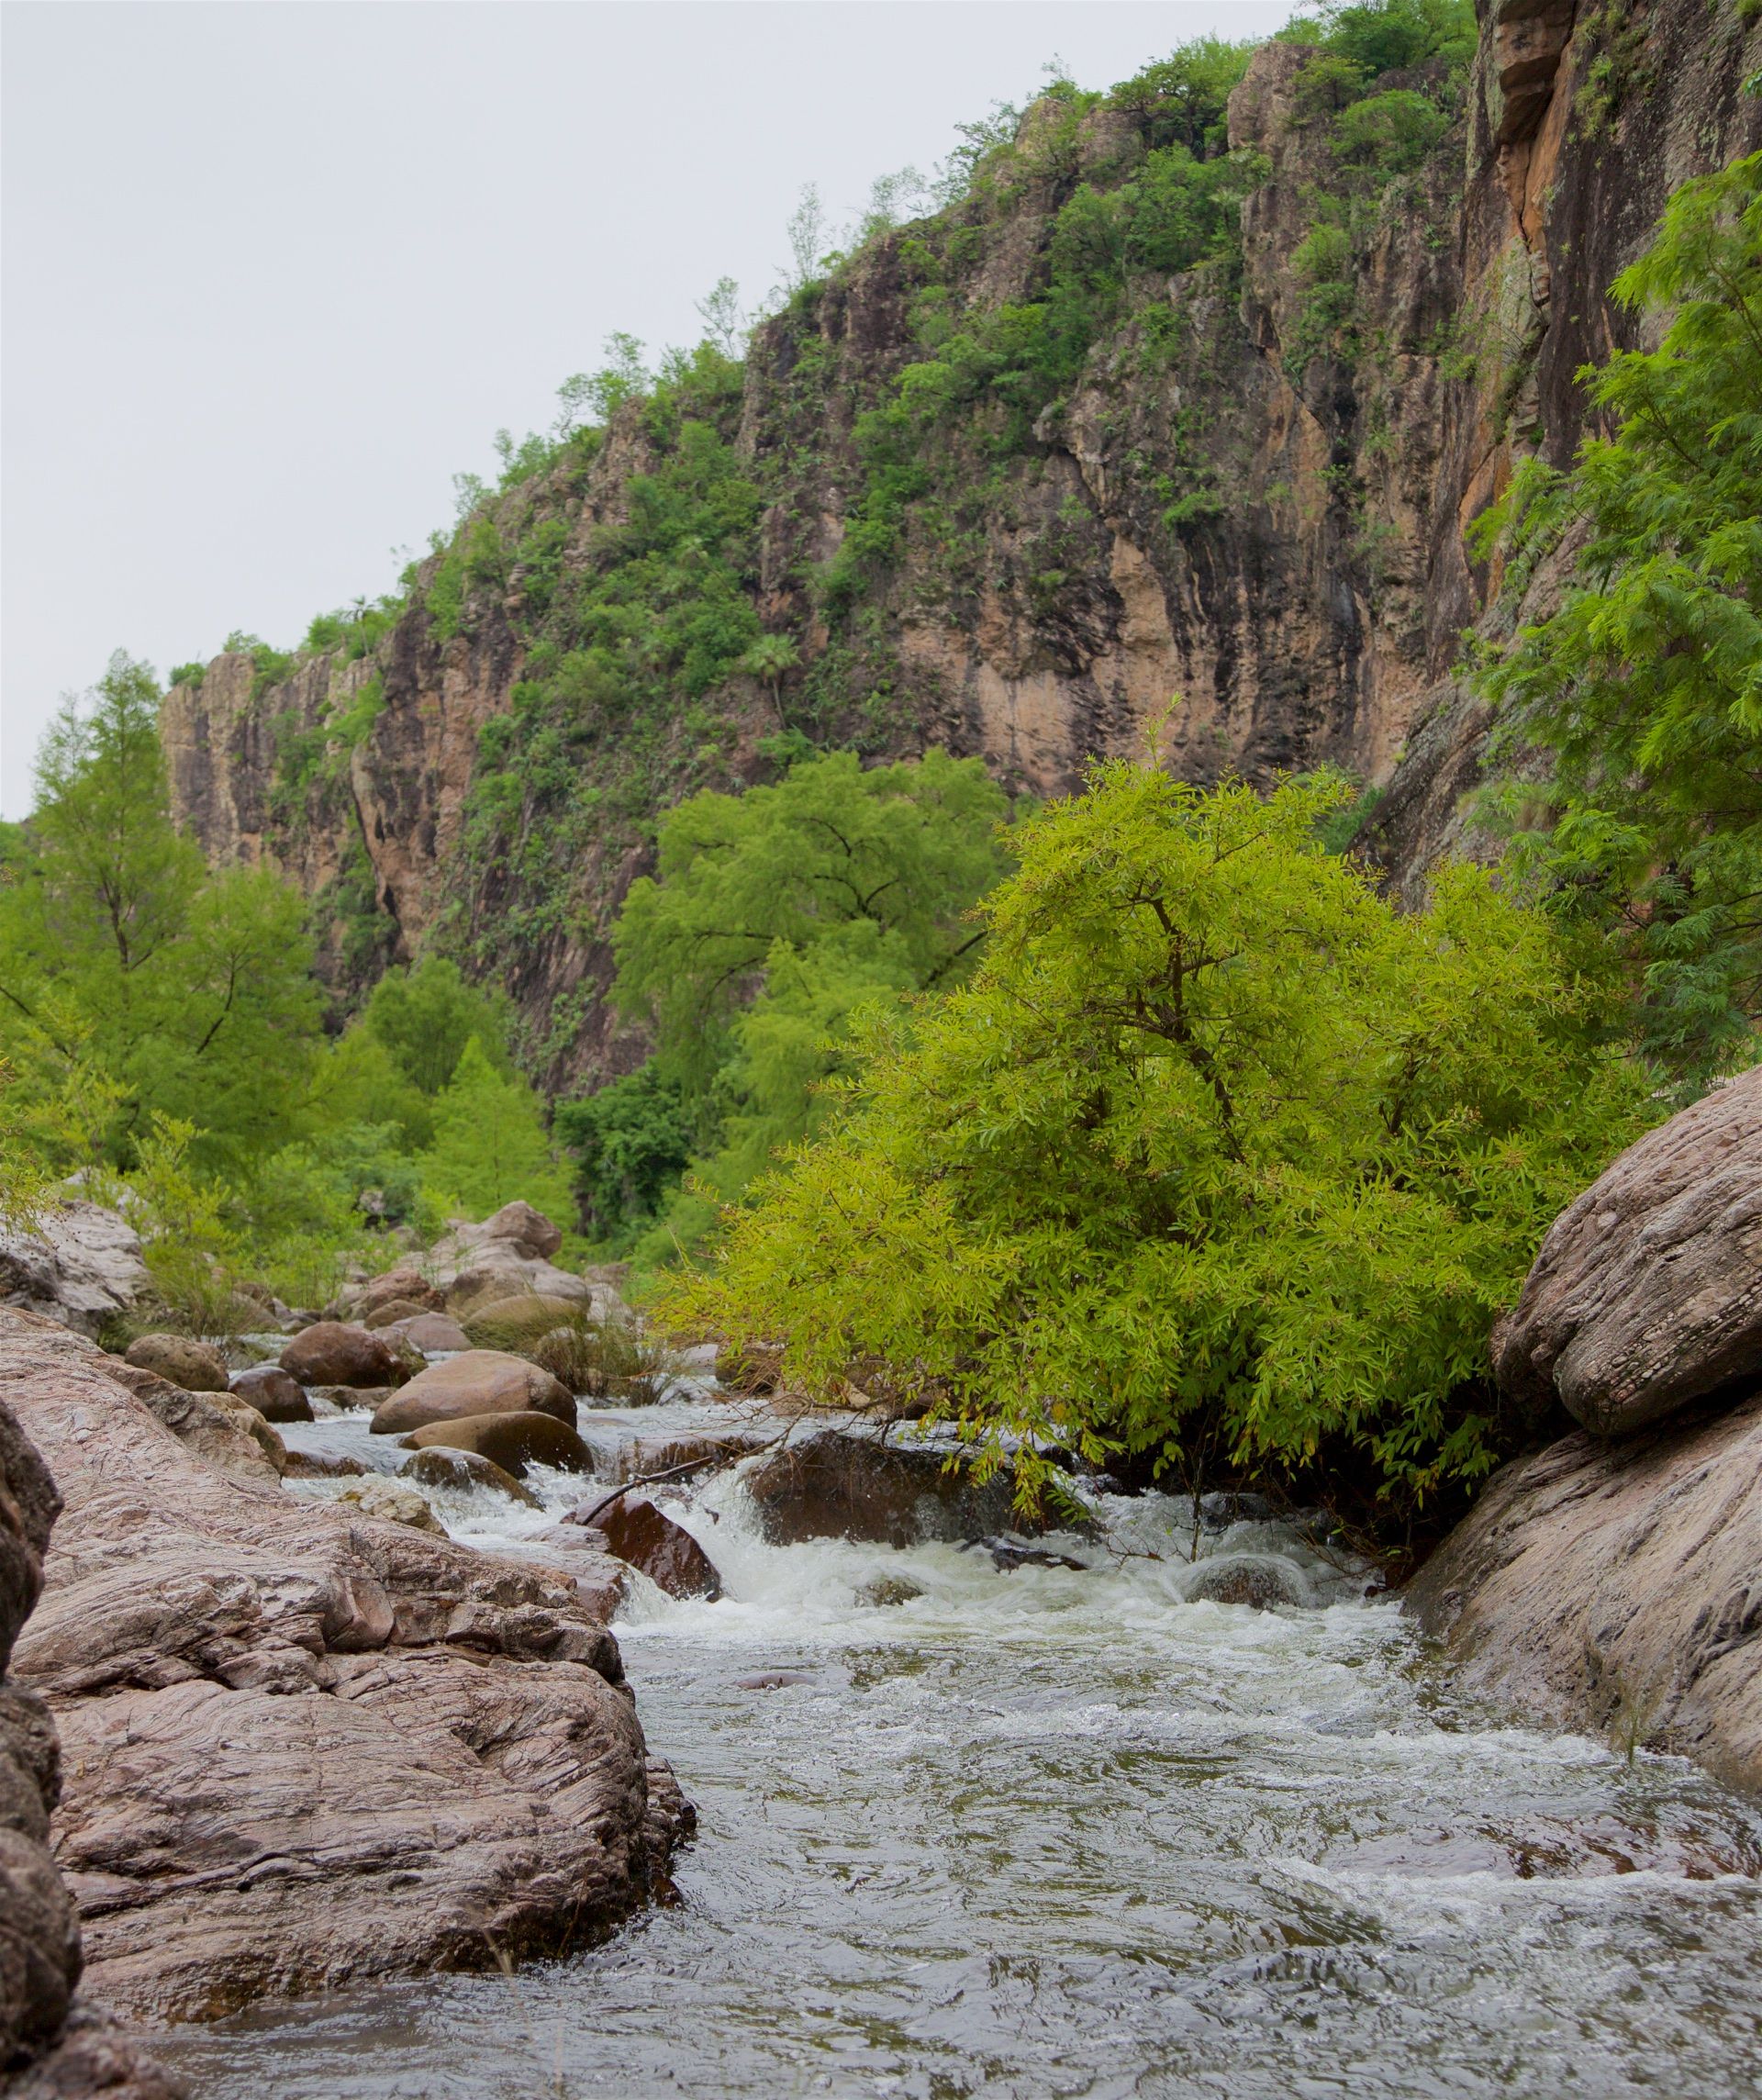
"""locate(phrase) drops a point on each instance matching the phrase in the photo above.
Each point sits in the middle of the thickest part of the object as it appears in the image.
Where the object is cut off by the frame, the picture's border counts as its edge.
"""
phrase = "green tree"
(1645, 686)
(425, 1016)
(187, 995)
(1217, 1150)
(630, 1140)
(490, 1145)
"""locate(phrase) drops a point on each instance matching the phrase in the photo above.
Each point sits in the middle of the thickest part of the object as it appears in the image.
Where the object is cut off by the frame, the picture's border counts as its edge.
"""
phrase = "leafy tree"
(630, 1140)
(1645, 686)
(424, 1016)
(489, 1143)
(186, 995)
(1217, 1150)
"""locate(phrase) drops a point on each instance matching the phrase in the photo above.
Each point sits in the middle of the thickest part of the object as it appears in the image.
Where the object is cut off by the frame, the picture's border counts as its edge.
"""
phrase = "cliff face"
(1252, 492)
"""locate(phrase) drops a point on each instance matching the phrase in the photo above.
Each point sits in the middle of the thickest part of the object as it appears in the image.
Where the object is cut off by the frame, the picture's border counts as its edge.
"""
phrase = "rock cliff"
(1253, 489)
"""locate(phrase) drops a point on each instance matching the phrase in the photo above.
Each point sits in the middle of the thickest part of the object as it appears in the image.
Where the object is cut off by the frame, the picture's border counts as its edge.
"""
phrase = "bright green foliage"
(1647, 685)
(424, 1018)
(1380, 36)
(630, 1140)
(1216, 1149)
(489, 1144)
(123, 962)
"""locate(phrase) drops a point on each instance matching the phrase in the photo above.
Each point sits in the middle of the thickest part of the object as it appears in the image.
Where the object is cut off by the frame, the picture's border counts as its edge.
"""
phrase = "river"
(1039, 1832)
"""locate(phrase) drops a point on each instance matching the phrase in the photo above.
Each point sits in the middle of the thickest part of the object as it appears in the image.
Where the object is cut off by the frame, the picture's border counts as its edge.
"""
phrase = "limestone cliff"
(1253, 491)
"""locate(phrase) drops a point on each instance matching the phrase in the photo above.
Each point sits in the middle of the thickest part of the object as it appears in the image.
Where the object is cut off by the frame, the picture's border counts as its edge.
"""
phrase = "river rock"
(511, 1441)
(442, 1467)
(334, 1354)
(602, 1580)
(691, 1450)
(303, 1748)
(525, 1310)
(393, 1314)
(392, 1501)
(274, 1393)
(80, 1266)
(225, 1431)
(51, 2043)
(480, 1381)
(180, 1359)
(509, 1255)
(886, 1591)
(433, 1333)
(403, 1285)
(647, 1539)
(1617, 1587)
(1647, 1292)
(849, 1484)
(1260, 1581)
(320, 1465)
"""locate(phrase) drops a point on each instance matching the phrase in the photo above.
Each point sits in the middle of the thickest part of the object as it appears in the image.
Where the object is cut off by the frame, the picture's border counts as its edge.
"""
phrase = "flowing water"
(1042, 1831)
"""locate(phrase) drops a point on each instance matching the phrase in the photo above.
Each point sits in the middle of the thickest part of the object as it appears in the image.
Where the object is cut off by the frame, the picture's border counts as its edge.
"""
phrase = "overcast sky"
(276, 270)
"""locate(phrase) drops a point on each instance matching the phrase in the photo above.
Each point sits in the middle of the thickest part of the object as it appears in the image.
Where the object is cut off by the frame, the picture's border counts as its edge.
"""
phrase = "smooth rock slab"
(303, 1748)
(1647, 1292)
(1617, 1587)
(481, 1381)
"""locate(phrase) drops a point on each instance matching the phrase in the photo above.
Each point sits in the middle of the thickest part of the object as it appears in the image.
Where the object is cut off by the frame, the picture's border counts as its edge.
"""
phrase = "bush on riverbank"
(1217, 1151)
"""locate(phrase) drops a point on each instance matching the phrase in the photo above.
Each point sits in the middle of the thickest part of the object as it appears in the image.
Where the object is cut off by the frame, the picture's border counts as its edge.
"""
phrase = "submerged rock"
(1617, 1586)
(481, 1381)
(334, 1354)
(276, 1394)
(512, 1441)
(1260, 1581)
(180, 1359)
(1647, 1292)
(884, 1591)
(849, 1484)
(303, 1748)
(440, 1466)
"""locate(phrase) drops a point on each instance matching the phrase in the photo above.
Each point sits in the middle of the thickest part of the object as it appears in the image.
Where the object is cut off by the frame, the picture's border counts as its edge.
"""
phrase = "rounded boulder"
(433, 1333)
(275, 1395)
(440, 1466)
(479, 1381)
(180, 1360)
(334, 1354)
(513, 1442)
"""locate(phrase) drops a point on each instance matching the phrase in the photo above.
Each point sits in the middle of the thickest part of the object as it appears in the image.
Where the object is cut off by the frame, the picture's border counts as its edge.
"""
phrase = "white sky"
(276, 270)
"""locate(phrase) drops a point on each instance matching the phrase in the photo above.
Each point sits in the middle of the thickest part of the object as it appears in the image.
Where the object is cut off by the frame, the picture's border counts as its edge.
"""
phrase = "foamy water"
(1046, 1832)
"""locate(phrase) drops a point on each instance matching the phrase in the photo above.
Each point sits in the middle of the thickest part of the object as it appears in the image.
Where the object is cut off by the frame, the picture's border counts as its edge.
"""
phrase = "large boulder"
(397, 1314)
(276, 1394)
(647, 1539)
(304, 1748)
(509, 1255)
(404, 1285)
(80, 1266)
(433, 1333)
(837, 1483)
(513, 1442)
(334, 1354)
(480, 1381)
(180, 1359)
(49, 2042)
(1647, 1292)
(1617, 1586)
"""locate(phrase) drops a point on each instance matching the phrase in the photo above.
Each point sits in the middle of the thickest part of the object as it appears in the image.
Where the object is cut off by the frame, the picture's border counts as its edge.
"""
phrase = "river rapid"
(1038, 1832)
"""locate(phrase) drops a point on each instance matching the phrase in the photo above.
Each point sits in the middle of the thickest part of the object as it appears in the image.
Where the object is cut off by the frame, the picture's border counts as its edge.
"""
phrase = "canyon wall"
(1255, 495)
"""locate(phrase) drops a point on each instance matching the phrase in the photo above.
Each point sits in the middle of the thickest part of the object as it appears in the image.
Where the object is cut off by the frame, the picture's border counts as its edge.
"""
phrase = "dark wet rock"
(180, 1359)
(652, 1542)
(321, 1466)
(440, 1466)
(774, 1679)
(680, 1456)
(481, 1381)
(1262, 1582)
(434, 1332)
(1616, 1586)
(241, 1677)
(276, 1396)
(1647, 1292)
(1218, 1511)
(514, 1442)
(883, 1591)
(1007, 1553)
(840, 1484)
(334, 1354)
